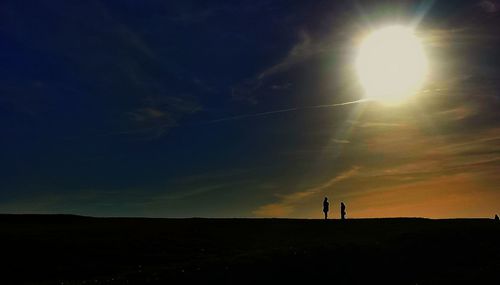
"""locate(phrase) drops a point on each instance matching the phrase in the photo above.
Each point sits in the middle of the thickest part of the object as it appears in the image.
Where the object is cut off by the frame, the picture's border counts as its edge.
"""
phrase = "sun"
(391, 64)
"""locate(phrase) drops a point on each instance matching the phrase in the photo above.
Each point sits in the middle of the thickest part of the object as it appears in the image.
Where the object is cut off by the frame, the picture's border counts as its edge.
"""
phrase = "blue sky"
(146, 108)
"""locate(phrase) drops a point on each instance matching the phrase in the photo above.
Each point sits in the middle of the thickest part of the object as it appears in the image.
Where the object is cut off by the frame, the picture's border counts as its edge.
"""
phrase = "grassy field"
(38, 249)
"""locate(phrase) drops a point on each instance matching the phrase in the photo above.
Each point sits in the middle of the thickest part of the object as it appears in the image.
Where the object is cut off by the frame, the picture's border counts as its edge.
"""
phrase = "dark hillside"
(77, 250)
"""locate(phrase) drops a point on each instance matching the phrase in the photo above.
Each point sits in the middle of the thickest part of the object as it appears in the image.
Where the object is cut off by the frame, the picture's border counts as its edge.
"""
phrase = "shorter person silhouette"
(342, 211)
(326, 207)
(496, 218)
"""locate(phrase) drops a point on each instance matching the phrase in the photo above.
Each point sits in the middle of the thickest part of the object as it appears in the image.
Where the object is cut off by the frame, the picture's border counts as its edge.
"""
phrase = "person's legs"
(326, 215)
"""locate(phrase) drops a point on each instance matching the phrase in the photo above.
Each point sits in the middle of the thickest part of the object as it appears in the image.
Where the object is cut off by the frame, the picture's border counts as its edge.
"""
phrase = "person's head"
(326, 198)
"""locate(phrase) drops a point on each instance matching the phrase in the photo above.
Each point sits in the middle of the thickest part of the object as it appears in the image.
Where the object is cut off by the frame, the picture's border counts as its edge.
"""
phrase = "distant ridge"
(8, 216)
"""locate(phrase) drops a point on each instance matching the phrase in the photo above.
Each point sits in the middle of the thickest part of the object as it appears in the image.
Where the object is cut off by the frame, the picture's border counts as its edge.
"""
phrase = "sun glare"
(391, 64)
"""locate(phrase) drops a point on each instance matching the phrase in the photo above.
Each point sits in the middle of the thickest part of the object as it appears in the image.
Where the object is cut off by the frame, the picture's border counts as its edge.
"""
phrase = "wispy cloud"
(490, 6)
(190, 192)
(287, 203)
(305, 48)
(340, 141)
(444, 196)
(302, 50)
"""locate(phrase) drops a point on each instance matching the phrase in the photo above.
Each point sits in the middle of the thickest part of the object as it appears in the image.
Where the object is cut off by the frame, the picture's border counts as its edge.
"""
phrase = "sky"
(235, 109)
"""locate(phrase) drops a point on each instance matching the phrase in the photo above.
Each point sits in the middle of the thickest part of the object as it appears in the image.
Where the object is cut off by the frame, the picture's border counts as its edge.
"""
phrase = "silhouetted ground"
(81, 250)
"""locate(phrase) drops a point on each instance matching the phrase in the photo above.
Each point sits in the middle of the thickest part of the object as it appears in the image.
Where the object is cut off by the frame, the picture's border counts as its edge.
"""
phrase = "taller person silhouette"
(326, 207)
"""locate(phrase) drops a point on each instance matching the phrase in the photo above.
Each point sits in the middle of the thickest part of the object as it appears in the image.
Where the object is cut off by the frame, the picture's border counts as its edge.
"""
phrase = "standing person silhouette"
(342, 211)
(326, 207)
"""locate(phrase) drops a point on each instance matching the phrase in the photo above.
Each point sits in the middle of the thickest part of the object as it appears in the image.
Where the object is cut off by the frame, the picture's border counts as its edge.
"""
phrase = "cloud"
(283, 86)
(304, 49)
(133, 83)
(187, 193)
(287, 203)
(489, 6)
(380, 125)
(340, 141)
(444, 196)
(146, 114)
(155, 120)
(413, 173)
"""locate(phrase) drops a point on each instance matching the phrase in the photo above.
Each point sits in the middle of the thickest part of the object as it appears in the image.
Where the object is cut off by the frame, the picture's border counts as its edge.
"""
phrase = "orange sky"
(404, 165)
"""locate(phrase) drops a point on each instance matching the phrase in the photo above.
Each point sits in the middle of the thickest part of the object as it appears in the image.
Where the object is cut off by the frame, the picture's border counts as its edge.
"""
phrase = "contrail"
(240, 117)
(233, 118)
